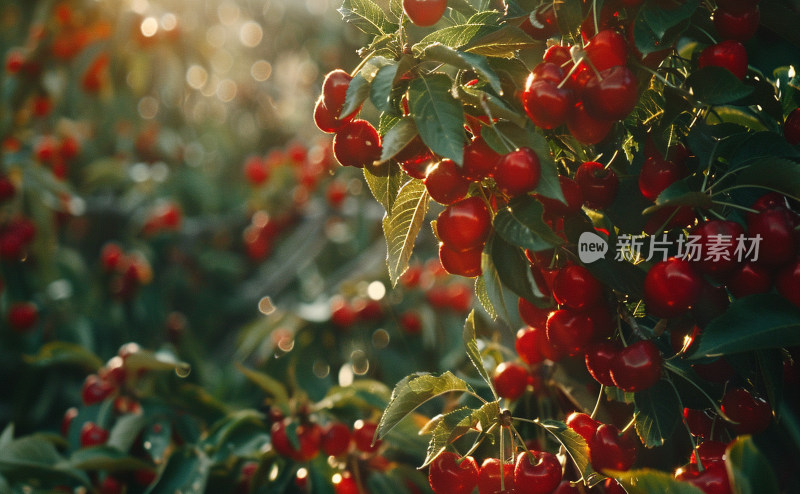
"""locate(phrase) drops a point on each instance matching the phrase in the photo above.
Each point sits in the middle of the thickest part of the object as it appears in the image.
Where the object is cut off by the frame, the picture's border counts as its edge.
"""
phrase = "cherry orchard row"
(541, 125)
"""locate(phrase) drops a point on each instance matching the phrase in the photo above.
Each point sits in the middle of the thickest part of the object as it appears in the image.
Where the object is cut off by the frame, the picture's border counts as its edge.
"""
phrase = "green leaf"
(658, 413)
(357, 92)
(647, 481)
(755, 322)
(521, 224)
(37, 459)
(503, 43)
(444, 429)
(569, 15)
(125, 431)
(385, 183)
(779, 174)
(681, 193)
(65, 353)
(187, 472)
(402, 225)
(575, 445)
(366, 16)
(439, 117)
(381, 90)
(268, 384)
(717, 86)
(483, 100)
(472, 348)
(454, 36)
(483, 297)
(397, 138)
(157, 438)
(752, 472)
(155, 361)
(106, 458)
(653, 22)
(617, 394)
(413, 391)
(465, 61)
(490, 291)
(513, 269)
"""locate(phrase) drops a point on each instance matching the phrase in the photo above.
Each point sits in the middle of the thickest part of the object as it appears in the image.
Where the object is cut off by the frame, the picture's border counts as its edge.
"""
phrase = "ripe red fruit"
(336, 439)
(480, 160)
(583, 424)
(573, 195)
(546, 104)
(575, 288)
(518, 172)
(357, 144)
(788, 282)
(466, 263)
(538, 475)
(415, 158)
(585, 128)
(598, 184)
(459, 297)
(445, 182)
(657, 174)
(324, 118)
(334, 92)
(557, 54)
(96, 389)
(489, 477)
(699, 423)
(739, 25)
(424, 13)
(531, 315)
(729, 55)
(569, 331)
(751, 278)
(791, 127)
(363, 433)
(410, 322)
(92, 435)
(448, 475)
(599, 360)
(718, 240)
(7, 189)
(610, 450)
(464, 225)
(637, 367)
(710, 452)
(527, 345)
(309, 437)
(510, 380)
(712, 480)
(22, 316)
(344, 483)
(671, 287)
(752, 413)
(342, 314)
(545, 26)
(775, 226)
(66, 421)
(255, 170)
(607, 49)
(612, 95)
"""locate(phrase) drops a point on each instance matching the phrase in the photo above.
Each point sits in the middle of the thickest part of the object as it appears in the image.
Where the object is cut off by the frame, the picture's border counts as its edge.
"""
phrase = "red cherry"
(545, 26)
(637, 367)
(449, 474)
(466, 263)
(518, 172)
(569, 331)
(415, 158)
(22, 316)
(787, 282)
(324, 118)
(92, 435)
(7, 189)
(610, 450)
(363, 434)
(791, 127)
(712, 480)
(464, 225)
(607, 49)
(531, 315)
(557, 54)
(737, 25)
(335, 439)
(729, 55)
(510, 380)
(460, 297)
(95, 389)
(357, 144)
(574, 287)
(699, 423)
(489, 481)
(572, 193)
(710, 452)
(424, 13)
(445, 183)
(776, 229)
(255, 170)
(526, 345)
(309, 437)
(598, 184)
(367, 309)
(612, 95)
(334, 92)
(583, 424)
(342, 313)
(111, 485)
(536, 472)
(752, 413)
(671, 287)
(657, 174)
(480, 160)
(410, 322)
(751, 278)
(344, 483)
(718, 241)
(585, 128)
(66, 421)
(599, 360)
(546, 104)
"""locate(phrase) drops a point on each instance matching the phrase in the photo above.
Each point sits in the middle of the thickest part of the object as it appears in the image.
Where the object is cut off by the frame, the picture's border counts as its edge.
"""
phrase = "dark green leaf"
(268, 384)
(106, 458)
(472, 348)
(503, 43)
(397, 138)
(575, 445)
(521, 224)
(489, 103)
(654, 21)
(752, 471)
(754, 322)
(156, 439)
(465, 61)
(357, 92)
(186, 472)
(513, 269)
(647, 481)
(34, 458)
(381, 90)
(681, 193)
(779, 174)
(658, 413)
(439, 117)
(759, 146)
(770, 366)
(413, 391)
(125, 431)
(619, 275)
(366, 16)
(454, 36)
(569, 15)
(717, 86)
(65, 353)
(402, 225)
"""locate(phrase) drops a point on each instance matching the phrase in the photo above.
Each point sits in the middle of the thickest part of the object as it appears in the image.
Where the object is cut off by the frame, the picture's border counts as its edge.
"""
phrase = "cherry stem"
(519, 437)
(686, 425)
(754, 186)
(502, 461)
(679, 372)
(629, 424)
(594, 14)
(708, 166)
(483, 435)
(658, 76)
(567, 76)
(597, 403)
(736, 206)
(362, 63)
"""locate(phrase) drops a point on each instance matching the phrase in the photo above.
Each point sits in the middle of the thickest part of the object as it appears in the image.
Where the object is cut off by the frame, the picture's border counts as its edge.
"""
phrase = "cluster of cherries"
(126, 271)
(57, 152)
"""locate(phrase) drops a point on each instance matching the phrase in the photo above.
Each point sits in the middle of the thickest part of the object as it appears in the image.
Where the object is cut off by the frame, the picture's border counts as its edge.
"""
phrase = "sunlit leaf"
(438, 115)
(402, 225)
(647, 481)
(366, 16)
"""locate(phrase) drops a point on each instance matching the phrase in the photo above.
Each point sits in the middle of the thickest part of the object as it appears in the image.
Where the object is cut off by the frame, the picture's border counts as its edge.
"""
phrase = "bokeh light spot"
(250, 34)
(149, 27)
(261, 70)
(196, 77)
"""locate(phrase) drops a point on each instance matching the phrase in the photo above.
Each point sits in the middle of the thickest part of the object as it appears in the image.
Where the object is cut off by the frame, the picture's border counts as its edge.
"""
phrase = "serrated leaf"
(513, 269)
(397, 138)
(64, 353)
(751, 471)
(489, 103)
(647, 481)
(681, 193)
(503, 43)
(454, 36)
(521, 224)
(366, 16)
(386, 184)
(755, 322)
(483, 297)
(493, 287)
(465, 61)
(658, 413)
(472, 348)
(653, 22)
(717, 86)
(451, 426)
(381, 90)
(414, 390)
(268, 384)
(438, 115)
(575, 445)
(779, 174)
(402, 225)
